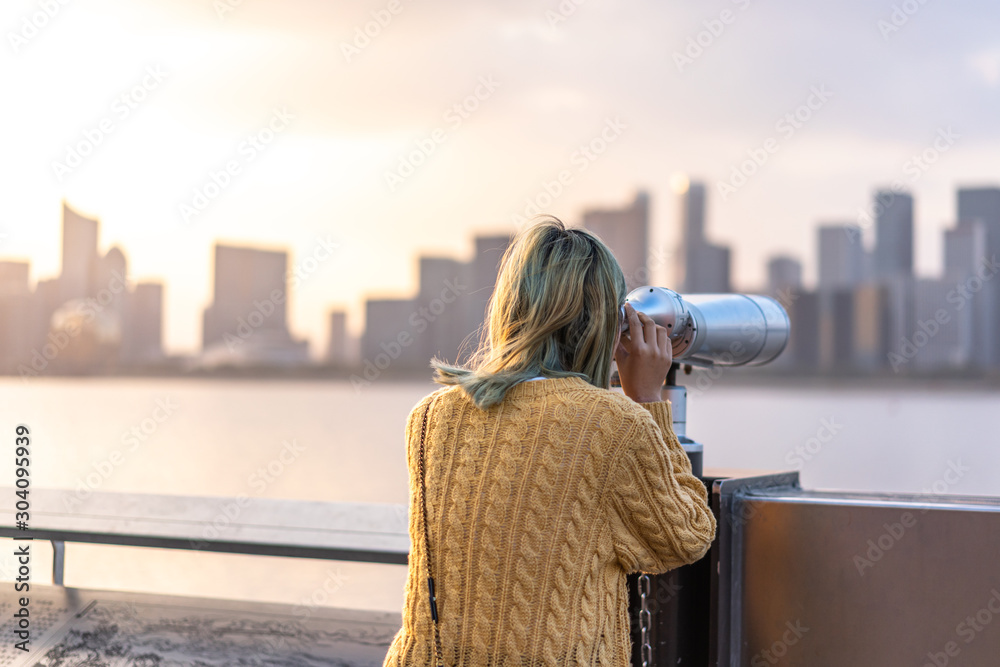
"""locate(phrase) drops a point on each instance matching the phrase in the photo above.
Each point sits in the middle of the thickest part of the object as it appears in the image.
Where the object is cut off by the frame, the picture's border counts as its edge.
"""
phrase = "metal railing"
(365, 532)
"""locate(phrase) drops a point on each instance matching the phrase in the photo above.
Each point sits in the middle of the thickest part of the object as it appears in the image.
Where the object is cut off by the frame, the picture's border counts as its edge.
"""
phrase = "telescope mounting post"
(677, 395)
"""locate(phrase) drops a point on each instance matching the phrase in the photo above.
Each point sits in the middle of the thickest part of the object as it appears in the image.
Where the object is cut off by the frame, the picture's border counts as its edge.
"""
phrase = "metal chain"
(645, 621)
(422, 472)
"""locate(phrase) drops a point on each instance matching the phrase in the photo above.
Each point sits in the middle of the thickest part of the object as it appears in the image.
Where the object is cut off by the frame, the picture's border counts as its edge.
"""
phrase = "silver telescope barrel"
(717, 329)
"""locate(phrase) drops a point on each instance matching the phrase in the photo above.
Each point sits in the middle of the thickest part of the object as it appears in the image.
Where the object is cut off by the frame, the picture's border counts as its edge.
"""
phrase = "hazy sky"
(175, 90)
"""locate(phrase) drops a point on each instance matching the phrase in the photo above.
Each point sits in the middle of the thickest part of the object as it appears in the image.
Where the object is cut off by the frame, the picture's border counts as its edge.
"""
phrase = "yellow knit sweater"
(538, 507)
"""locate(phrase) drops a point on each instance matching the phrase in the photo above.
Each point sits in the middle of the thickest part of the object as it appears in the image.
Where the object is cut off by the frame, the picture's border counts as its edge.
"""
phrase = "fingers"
(662, 339)
(663, 342)
(642, 331)
(626, 338)
(645, 355)
(642, 328)
(633, 318)
(648, 329)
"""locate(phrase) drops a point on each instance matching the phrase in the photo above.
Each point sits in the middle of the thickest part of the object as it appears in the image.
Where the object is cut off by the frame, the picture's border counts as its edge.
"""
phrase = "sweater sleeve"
(658, 510)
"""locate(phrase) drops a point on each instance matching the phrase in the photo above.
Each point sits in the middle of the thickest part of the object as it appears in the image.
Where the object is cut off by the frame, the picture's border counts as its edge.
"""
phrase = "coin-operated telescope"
(711, 330)
(706, 330)
(716, 329)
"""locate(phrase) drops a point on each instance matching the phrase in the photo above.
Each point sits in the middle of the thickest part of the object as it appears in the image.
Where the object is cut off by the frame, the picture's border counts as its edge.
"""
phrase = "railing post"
(58, 561)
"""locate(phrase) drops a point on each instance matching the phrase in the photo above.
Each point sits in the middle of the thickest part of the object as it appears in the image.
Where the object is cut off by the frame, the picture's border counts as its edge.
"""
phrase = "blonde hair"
(554, 312)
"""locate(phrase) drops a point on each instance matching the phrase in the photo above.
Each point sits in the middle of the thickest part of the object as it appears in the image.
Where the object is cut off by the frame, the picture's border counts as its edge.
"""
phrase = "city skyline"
(866, 304)
(852, 237)
(316, 332)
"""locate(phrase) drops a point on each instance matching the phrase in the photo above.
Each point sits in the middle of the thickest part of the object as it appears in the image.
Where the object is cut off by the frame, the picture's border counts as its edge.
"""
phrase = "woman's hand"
(644, 355)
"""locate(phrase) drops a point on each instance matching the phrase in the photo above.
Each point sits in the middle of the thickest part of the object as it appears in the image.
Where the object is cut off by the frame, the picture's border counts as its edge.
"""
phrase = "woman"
(544, 488)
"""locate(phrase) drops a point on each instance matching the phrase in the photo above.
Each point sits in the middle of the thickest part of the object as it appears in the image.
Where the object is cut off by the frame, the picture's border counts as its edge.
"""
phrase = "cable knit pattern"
(538, 507)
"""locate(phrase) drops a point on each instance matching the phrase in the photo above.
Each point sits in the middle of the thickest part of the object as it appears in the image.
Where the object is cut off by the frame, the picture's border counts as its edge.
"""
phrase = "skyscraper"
(692, 232)
(444, 303)
(964, 247)
(693, 214)
(336, 349)
(245, 277)
(79, 256)
(980, 204)
(841, 256)
(626, 232)
(836, 328)
(871, 322)
(390, 337)
(841, 267)
(804, 341)
(783, 274)
(15, 313)
(943, 337)
(248, 314)
(110, 273)
(709, 272)
(975, 240)
(142, 341)
(893, 235)
(702, 267)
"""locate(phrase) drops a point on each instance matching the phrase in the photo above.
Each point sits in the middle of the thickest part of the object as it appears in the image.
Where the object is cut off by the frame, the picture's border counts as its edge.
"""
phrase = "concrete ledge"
(70, 626)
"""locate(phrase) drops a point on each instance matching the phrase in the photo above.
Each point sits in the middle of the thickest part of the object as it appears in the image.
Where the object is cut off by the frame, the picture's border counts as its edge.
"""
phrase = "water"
(212, 437)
